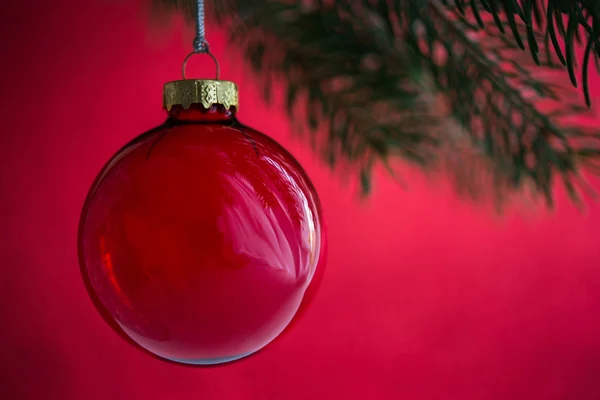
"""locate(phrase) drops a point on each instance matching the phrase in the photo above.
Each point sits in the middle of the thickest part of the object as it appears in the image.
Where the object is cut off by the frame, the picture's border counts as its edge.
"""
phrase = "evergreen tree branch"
(580, 17)
(387, 78)
(487, 80)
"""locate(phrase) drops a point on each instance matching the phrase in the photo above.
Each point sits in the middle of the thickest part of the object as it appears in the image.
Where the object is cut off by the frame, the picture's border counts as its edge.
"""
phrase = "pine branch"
(486, 80)
(551, 17)
(373, 73)
(352, 80)
(361, 89)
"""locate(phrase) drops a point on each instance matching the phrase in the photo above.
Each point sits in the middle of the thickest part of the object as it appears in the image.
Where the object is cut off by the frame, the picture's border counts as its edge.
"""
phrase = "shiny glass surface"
(199, 239)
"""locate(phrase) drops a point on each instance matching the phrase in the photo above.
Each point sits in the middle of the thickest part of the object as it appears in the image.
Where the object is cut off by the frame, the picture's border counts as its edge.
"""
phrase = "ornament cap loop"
(208, 53)
(200, 91)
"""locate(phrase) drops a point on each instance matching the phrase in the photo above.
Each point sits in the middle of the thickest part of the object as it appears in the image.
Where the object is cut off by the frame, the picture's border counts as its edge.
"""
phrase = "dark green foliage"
(419, 79)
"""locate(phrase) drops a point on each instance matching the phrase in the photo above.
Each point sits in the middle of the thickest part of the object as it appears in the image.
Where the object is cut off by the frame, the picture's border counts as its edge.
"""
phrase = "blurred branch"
(429, 81)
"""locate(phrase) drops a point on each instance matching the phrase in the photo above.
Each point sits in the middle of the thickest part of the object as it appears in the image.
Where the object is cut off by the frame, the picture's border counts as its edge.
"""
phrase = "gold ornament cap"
(207, 92)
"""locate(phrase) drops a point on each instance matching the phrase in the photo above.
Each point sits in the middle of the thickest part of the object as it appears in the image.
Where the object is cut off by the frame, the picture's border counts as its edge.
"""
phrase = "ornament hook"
(218, 68)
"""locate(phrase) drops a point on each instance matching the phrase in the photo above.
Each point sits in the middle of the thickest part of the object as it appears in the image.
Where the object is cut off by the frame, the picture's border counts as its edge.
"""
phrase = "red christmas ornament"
(199, 239)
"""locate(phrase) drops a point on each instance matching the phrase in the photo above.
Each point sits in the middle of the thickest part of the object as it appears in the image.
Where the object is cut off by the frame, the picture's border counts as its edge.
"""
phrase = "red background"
(425, 297)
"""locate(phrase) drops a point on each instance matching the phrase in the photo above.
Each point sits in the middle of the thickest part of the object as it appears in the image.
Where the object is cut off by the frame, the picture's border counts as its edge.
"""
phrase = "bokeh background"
(425, 296)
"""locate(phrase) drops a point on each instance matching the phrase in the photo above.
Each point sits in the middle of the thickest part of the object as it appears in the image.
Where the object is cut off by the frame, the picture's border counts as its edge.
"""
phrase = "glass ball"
(199, 239)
